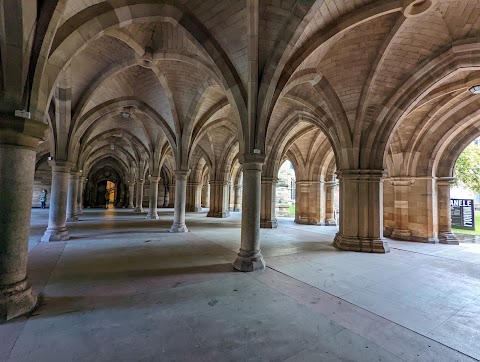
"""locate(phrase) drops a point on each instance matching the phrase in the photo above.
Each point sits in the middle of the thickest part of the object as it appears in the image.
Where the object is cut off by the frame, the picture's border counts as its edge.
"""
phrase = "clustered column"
(250, 258)
(152, 212)
(72, 196)
(81, 185)
(171, 196)
(194, 197)
(139, 206)
(57, 226)
(237, 205)
(445, 235)
(268, 219)
(330, 219)
(131, 194)
(219, 199)
(361, 211)
(18, 141)
(401, 188)
(180, 201)
(307, 204)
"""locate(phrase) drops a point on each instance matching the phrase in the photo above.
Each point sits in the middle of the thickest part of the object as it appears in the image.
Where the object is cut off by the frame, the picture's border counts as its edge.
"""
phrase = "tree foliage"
(467, 169)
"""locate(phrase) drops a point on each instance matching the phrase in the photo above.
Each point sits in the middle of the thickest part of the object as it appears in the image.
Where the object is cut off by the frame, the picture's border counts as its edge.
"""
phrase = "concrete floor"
(123, 289)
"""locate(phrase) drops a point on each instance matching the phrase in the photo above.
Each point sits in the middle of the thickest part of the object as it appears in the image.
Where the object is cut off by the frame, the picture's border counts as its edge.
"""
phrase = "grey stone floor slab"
(124, 289)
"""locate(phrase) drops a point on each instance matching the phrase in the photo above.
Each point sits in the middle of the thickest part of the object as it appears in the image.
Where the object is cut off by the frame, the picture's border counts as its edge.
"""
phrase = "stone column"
(237, 205)
(18, 141)
(171, 196)
(205, 195)
(330, 219)
(72, 195)
(268, 219)
(131, 194)
(165, 195)
(445, 235)
(139, 198)
(81, 187)
(361, 211)
(250, 258)
(219, 199)
(180, 201)
(401, 188)
(231, 197)
(307, 203)
(152, 206)
(194, 197)
(57, 225)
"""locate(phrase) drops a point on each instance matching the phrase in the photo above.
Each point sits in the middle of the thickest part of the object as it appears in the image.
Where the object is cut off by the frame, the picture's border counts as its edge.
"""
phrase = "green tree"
(467, 169)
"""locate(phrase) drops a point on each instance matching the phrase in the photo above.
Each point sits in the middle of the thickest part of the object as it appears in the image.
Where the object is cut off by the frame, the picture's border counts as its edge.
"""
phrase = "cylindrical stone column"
(131, 195)
(18, 141)
(152, 206)
(237, 205)
(81, 186)
(361, 211)
(139, 199)
(57, 226)
(250, 258)
(205, 196)
(330, 219)
(180, 201)
(268, 218)
(165, 195)
(445, 235)
(72, 196)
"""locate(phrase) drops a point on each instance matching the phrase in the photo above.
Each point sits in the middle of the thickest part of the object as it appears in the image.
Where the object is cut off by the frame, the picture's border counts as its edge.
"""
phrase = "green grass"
(471, 232)
(292, 210)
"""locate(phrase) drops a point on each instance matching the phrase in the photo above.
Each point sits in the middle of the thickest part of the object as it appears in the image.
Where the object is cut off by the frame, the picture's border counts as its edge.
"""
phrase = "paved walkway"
(124, 289)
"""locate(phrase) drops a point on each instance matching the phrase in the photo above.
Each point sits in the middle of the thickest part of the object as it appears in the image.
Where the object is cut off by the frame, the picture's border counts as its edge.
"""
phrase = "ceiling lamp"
(125, 113)
(475, 89)
(112, 147)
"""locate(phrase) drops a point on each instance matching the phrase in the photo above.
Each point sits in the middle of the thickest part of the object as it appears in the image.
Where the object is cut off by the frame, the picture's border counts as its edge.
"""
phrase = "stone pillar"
(231, 197)
(18, 141)
(206, 195)
(152, 206)
(445, 235)
(361, 211)
(81, 188)
(268, 197)
(194, 197)
(330, 219)
(219, 199)
(139, 198)
(72, 195)
(250, 258)
(171, 196)
(308, 203)
(166, 197)
(401, 188)
(237, 205)
(180, 201)
(57, 225)
(131, 195)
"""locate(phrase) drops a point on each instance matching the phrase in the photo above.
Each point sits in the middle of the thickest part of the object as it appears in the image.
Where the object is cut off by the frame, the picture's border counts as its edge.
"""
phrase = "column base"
(80, 212)
(248, 261)
(237, 209)
(362, 245)
(307, 221)
(401, 234)
(179, 228)
(138, 209)
(55, 235)
(268, 224)
(448, 238)
(16, 299)
(195, 209)
(72, 219)
(152, 216)
(221, 214)
(331, 222)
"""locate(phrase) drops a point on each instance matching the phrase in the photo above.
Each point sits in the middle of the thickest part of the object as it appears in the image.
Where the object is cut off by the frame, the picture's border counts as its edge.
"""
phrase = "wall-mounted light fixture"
(475, 89)
(125, 113)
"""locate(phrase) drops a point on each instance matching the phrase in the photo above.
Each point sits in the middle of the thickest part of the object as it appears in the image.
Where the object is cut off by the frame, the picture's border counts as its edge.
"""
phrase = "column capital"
(141, 181)
(22, 132)
(60, 165)
(218, 183)
(269, 179)
(331, 183)
(361, 175)
(181, 174)
(247, 159)
(154, 178)
(401, 181)
(75, 174)
(445, 181)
